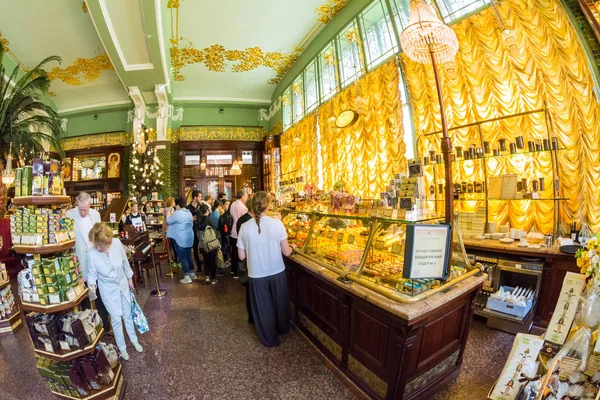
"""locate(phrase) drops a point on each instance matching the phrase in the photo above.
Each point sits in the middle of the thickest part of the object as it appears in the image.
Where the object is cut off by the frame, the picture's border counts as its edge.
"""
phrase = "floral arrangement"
(588, 260)
(129, 250)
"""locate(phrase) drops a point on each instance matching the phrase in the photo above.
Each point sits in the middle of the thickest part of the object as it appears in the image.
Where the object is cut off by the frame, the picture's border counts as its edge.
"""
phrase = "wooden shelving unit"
(41, 200)
(12, 323)
(54, 308)
(46, 249)
(114, 392)
(70, 355)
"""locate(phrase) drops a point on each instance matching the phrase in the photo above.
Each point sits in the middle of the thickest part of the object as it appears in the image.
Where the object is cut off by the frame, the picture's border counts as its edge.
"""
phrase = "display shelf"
(54, 308)
(46, 249)
(69, 355)
(41, 200)
(12, 323)
(115, 391)
(488, 156)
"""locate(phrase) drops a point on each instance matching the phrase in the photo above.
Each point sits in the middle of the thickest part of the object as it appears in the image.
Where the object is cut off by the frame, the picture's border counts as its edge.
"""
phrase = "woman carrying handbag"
(108, 268)
(209, 243)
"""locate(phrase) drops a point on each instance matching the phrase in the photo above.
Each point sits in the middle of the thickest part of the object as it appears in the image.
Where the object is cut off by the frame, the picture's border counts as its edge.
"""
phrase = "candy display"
(7, 302)
(50, 280)
(72, 331)
(79, 378)
(39, 226)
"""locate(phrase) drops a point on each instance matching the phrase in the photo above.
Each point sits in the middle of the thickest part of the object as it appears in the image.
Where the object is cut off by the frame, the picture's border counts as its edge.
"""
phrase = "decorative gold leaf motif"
(220, 133)
(4, 42)
(98, 140)
(216, 56)
(84, 7)
(52, 94)
(82, 70)
(328, 11)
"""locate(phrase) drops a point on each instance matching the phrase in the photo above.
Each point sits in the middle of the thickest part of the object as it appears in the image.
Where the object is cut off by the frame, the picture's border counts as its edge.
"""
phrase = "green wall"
(97, 122)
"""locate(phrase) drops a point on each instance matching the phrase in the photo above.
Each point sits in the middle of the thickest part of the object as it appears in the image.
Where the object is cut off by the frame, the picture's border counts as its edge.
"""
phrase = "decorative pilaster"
(139, 114)
(162, 117)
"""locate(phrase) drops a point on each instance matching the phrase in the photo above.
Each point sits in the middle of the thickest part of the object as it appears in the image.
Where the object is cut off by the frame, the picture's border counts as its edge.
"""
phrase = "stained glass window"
(454, 9)
(311, 92)
(328, 69)
(286, 106)
(378, 33)
(297, 99)
(349, 43)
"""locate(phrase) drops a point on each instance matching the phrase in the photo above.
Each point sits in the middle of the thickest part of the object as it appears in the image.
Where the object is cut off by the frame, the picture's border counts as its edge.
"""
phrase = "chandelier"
(427, 40)
(8, 175)
(140, 142)
(427, 35)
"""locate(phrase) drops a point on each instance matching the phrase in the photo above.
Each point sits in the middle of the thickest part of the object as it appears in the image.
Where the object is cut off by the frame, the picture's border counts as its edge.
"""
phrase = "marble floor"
(200, 346)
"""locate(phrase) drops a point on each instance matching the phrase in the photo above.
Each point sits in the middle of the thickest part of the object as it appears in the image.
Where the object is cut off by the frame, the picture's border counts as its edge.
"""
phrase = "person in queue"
(85, 217)
(181, 226)
(169, 209)
(263, 241)
(193, 208)
(210, 257)
(225, 225)
(237, 209)
(243, 219)
(215, 214)
(109, 270)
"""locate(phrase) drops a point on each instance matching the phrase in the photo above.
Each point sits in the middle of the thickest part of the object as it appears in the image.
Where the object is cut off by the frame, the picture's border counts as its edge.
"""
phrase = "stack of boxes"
(472, 224)
(79, 378)
(51, 280)
(42, 178)
(40, 226)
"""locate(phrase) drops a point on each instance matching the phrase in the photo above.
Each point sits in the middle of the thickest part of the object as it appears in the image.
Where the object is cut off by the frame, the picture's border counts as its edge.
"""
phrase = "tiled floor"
(201, 347)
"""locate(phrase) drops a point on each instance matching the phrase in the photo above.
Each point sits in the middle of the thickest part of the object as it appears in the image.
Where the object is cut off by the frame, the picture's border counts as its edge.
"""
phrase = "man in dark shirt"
(193, 207)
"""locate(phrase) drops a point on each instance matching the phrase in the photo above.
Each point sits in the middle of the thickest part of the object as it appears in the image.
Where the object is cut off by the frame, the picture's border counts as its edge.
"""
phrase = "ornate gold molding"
(82, 70)
(277, 129)
(4, 42)
(253, 134)
(328, 11)
(215, 57)
(98, 140)
(84, 7)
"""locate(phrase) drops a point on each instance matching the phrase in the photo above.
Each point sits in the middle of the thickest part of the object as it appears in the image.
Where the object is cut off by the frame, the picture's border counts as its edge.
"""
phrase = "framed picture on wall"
(66, 168)
(114, 165)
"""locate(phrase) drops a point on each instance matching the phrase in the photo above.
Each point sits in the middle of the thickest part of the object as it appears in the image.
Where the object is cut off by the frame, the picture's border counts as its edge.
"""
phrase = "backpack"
(208, 240)
(225, 223)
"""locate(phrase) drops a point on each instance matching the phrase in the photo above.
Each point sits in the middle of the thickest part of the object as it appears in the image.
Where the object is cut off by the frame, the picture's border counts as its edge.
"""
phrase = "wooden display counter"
(390, 350)
(556, 265)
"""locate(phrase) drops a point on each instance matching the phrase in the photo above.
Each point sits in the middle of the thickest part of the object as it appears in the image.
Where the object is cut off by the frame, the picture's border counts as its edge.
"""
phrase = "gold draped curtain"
(367, 154)
(299, 151)
(551, 72)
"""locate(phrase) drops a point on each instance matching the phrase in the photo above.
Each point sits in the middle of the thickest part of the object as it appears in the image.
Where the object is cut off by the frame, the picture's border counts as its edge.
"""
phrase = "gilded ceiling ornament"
(221, 133)
(82, 70)
(52, 94)
(4, 42)
(84, 7)
(98, 140)
(328, 11)
(352, 35)
(216, 56)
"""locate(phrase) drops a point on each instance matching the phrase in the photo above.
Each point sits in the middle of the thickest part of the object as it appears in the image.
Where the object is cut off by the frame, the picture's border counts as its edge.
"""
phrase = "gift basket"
(564, 363)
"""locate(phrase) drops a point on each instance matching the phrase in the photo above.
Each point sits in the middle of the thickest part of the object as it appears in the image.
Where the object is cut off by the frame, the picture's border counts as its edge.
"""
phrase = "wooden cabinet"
(387, 356)
(554, 273)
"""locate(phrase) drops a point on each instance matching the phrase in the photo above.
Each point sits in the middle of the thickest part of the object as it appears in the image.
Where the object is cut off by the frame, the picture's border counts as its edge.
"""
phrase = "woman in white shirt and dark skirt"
(109, 269)
(263, 240)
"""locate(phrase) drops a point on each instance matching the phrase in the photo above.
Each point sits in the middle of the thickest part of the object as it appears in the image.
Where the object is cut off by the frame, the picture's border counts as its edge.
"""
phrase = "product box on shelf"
(51, 280)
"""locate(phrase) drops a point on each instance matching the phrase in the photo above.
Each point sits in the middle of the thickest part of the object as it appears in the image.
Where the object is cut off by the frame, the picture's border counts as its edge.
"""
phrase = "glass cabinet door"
(339, 241)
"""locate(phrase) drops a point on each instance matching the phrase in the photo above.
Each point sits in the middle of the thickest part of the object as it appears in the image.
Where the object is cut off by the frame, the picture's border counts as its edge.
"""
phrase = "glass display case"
(371, 250)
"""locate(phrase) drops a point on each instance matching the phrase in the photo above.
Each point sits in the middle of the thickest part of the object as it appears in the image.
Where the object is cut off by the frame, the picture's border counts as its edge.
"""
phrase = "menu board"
(426, 252)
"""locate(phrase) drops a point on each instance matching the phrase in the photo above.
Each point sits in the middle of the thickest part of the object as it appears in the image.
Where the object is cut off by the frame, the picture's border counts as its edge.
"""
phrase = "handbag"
(111, 353)
(220, 260)
(139, 319)
(208, 239)
(243, 272)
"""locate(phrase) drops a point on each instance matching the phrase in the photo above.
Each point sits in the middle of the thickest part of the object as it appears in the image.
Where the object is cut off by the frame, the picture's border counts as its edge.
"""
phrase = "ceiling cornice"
(92, 107)
(222, 100)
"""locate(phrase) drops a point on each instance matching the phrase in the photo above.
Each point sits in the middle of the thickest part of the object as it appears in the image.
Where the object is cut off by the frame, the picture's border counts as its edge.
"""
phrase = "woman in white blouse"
(109, 269)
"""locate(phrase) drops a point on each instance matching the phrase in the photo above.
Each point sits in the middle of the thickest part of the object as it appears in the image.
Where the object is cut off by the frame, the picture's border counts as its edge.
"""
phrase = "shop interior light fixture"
(140, 143)
(8, 175)
(240, 163)
(235, 168)
(508, 35)
(426, 40)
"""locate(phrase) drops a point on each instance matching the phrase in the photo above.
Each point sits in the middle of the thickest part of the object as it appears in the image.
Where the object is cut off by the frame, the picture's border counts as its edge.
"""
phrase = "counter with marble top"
(514, 248)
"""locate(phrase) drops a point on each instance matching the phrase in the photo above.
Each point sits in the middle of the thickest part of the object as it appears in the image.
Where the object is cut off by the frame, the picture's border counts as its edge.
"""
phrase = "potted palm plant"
(27, 124)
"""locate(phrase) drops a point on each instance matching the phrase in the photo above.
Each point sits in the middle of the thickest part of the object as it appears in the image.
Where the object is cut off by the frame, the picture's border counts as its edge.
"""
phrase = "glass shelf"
(488, 156)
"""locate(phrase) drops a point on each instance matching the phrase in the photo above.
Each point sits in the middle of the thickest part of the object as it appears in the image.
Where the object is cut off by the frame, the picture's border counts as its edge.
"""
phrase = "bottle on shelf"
(574, 232)
(585, 234)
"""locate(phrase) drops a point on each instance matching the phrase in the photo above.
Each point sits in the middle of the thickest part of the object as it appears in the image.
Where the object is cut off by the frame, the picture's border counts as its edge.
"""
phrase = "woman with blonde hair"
(263, 241)
(109, 270)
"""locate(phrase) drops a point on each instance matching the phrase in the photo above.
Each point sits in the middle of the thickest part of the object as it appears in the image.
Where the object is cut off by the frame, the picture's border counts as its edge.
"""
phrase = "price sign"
(426, 252)
(351, 239)
(340, 237)
(380, 245)
(330, 234)
(388, 213)
(397, 248)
